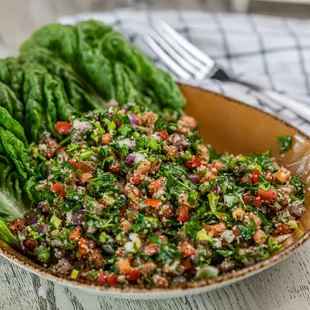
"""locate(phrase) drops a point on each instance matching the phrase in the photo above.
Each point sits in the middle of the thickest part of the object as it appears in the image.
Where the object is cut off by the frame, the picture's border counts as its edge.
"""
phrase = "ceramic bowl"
(227, 125)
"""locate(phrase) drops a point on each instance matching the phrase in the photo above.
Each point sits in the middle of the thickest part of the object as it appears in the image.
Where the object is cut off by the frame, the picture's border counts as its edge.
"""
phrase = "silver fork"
(187, 62)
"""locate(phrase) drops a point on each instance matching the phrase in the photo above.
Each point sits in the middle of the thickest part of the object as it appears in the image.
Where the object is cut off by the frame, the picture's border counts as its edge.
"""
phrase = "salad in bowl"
(105, 180)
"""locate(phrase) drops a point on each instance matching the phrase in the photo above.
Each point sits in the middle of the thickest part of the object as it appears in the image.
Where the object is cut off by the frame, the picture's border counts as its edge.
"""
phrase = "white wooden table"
(285, 286)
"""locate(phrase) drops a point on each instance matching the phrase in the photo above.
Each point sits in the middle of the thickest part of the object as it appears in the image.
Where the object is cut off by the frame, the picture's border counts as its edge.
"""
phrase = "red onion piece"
(130, 160)
(82, 126)
(125, 107)
(175, 139)
(33, 220)
(194, 178)
(133, 119)
(63, 156)
(217, 189)
(90, 230)
(41, 228)
(78, 218)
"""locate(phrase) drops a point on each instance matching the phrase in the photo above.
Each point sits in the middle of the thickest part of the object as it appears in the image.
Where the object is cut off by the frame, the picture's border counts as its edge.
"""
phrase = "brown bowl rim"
(31, 266)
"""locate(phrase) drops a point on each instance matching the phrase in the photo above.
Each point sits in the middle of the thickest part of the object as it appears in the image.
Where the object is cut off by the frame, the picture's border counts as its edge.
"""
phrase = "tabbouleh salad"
(128, 196)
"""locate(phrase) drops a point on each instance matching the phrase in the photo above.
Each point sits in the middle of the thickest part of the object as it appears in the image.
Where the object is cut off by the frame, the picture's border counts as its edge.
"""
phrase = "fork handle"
(295, 106)
(299, 108)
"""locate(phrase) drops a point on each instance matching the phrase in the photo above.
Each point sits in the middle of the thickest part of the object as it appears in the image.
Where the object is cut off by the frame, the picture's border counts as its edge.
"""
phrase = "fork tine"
(183, 52)
(198, 69)
(189, 47)
(173, 66)
(173, 53)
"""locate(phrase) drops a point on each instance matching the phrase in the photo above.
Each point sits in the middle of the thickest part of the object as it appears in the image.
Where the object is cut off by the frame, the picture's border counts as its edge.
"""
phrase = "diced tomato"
(75, 234)
(157, 184)
(251, 200)
(84, 177)
(102, 278)
(195, 162)
(52, 151)
(112, 279)
(133, 275)
(63, 127)
(30, 244)
(80, 261)
(74, 164)
(152, 202)
(57, 188)
(124, 266)
(137, 180)
(88, 166)
(283, 228)
(183, 214)
(50, 154)
(164, 211)
(269, 176)
(269, 194)
(52, 147)
(187, 249)
(224, 244)
(16, 225)
(255, 176)
(106, 138)
(163, 134)
(83, 248)
(256, 202)
(247, 199)
(115, 169)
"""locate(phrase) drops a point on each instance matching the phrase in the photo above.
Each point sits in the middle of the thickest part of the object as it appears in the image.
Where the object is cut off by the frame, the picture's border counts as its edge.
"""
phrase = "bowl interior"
(234, 127)
(228, 126)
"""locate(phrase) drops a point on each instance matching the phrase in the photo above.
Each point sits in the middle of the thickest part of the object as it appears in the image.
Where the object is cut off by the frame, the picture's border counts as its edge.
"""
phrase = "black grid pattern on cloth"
(299, 49)
(262, 50)
(305, 48)
(185, 29)
(222, 32)
(256, 47)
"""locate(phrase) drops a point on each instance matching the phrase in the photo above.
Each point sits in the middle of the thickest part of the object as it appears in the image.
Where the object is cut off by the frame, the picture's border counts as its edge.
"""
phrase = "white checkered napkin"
(271, 51)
